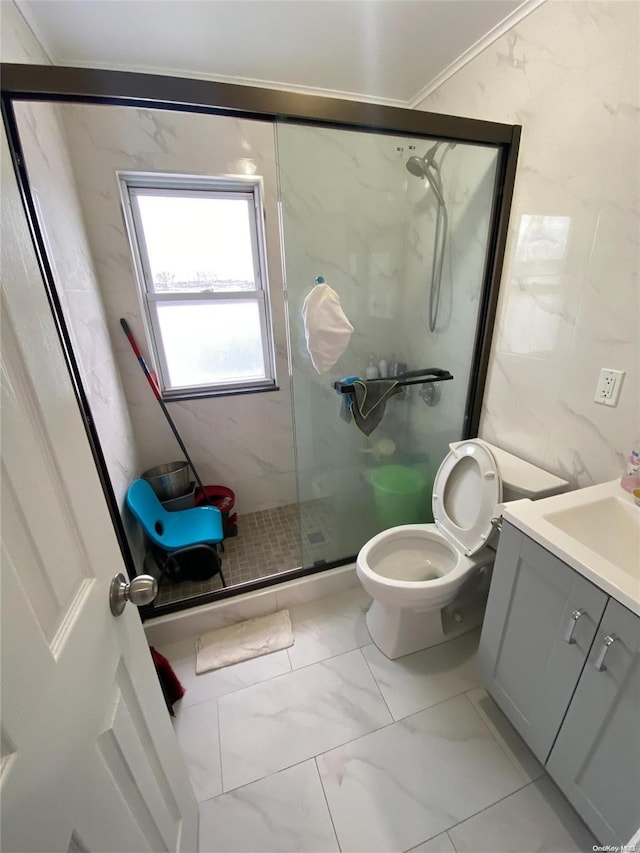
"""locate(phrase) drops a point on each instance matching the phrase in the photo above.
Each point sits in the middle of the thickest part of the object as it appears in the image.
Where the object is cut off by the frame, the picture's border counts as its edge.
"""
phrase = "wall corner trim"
(476, 49)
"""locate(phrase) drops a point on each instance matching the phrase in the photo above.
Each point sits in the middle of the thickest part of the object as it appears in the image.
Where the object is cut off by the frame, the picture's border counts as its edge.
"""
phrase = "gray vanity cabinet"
(539, 625)
(596, 757)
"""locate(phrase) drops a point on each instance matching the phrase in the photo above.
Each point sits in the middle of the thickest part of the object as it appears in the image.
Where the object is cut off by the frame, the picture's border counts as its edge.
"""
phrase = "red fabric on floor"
(171, 686)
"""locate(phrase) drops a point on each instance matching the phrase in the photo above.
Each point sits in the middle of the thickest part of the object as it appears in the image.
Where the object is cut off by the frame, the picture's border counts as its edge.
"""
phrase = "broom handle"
(152, 379)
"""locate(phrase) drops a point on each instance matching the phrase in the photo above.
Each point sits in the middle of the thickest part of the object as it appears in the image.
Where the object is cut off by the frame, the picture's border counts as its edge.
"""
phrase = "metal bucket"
(169, 481)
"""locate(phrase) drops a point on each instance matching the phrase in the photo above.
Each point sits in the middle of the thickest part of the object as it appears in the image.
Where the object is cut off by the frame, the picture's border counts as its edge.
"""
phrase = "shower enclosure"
(403, 214)
(402, 238)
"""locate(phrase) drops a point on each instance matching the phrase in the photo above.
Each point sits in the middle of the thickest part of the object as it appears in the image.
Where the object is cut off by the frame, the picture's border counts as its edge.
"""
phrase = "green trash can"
(400, 495)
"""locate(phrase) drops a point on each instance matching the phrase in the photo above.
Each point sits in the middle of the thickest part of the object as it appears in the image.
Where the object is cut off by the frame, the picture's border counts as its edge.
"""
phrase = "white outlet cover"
(608, 387)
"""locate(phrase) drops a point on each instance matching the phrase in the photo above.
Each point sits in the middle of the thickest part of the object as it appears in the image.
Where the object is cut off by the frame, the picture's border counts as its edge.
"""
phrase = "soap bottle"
(372, 370)
(631, 478)
(633, 462)
(383, 369)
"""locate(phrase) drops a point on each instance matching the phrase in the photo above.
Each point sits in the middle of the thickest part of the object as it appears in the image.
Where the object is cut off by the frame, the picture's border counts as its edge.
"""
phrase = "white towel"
(326, 327)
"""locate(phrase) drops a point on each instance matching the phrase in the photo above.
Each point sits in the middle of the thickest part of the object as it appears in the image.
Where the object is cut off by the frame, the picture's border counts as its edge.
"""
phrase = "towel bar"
(411, 377)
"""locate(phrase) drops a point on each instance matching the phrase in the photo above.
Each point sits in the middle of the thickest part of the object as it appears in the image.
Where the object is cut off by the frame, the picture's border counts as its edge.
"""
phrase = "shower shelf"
(411, 377)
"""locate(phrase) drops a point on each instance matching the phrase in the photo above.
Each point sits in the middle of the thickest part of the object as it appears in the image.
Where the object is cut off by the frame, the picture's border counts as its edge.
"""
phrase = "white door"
(90, 761)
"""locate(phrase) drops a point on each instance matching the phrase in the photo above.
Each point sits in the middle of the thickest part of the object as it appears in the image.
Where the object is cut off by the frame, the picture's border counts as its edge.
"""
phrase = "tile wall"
(242, 442)
(329, 180)
(468, 175)
(363, 222)
(569, 74)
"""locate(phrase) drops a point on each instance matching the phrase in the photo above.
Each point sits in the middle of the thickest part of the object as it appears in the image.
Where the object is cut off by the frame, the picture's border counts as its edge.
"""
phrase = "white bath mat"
(243, 641)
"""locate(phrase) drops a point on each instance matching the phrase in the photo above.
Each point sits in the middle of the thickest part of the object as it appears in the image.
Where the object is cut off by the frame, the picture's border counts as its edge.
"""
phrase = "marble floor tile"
(285, 812)
(440, 844)
(417, 681)
(210, 685)
(295, 716)
(329, 626)
(197, 732)
(535, 818)
(394, 788)
(525, 761)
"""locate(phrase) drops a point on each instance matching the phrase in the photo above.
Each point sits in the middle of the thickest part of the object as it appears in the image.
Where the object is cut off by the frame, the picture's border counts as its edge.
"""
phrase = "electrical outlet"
(608, 387)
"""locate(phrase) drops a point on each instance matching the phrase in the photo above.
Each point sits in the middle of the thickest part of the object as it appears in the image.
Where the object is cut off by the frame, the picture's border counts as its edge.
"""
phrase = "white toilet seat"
(466, 491)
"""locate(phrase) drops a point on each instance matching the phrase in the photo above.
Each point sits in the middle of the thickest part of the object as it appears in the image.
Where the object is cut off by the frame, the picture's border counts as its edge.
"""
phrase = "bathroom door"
(89, 757)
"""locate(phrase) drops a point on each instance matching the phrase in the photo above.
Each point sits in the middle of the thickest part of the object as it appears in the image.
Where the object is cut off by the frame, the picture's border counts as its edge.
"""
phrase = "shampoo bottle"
(372, 371)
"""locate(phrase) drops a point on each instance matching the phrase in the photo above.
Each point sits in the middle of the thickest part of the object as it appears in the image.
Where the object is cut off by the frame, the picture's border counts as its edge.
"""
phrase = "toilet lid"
(466, 490)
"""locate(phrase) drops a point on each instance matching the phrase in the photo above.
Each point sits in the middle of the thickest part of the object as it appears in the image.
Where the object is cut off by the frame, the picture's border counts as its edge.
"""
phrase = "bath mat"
(243, 641)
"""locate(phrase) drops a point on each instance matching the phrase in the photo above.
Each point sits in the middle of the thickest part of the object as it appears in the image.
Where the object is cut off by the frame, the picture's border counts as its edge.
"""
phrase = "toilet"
(413, 572)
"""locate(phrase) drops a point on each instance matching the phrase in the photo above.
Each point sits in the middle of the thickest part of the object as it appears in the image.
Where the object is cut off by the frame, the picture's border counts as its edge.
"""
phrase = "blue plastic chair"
(175, 532)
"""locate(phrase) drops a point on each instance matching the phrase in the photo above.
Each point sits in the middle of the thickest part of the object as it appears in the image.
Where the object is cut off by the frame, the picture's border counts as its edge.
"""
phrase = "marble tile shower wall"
(52, 182)
(363, 222)
(468, 175)
(331, 228)
(244, 442)
(569, 73)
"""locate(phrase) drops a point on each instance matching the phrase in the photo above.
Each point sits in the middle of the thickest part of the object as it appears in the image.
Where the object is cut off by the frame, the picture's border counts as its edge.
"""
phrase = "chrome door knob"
(142, 590)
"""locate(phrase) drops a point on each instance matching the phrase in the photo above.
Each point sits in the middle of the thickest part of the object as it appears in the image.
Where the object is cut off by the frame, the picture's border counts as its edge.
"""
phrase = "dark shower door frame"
(51, 83)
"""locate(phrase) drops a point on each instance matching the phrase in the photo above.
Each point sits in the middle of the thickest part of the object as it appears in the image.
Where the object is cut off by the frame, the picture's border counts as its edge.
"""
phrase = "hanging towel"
(370, 399)
(326, 327)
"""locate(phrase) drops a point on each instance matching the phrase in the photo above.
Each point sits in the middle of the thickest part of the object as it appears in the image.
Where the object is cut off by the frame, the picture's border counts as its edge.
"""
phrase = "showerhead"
(426, 168)
(417, 166)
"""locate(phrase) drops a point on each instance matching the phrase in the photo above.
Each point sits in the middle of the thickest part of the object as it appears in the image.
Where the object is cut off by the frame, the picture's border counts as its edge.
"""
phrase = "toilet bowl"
(413, 571)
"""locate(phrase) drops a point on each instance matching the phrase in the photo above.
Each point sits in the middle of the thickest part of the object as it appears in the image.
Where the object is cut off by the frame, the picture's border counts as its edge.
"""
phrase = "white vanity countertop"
(595, 530)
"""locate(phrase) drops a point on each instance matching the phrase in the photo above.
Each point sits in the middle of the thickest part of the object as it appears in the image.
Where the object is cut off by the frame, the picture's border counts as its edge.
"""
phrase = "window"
(198, 247)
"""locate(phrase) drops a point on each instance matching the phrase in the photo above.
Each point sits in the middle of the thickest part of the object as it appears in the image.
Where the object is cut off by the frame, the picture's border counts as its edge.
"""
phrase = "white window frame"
(133, 184)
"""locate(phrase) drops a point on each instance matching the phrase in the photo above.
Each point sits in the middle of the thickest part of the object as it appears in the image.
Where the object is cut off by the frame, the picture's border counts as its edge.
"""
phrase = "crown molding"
(476, 49)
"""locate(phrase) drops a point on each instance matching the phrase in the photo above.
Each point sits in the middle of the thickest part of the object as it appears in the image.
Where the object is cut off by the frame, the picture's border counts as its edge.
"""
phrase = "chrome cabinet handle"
(571, 627)
(608, 641)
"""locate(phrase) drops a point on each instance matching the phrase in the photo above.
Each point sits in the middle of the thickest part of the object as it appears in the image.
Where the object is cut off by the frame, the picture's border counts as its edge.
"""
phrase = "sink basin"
(595, 530)
(609, 526)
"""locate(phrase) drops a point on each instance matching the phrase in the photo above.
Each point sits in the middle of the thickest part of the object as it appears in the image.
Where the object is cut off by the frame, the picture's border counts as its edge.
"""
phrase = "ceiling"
(387, 51)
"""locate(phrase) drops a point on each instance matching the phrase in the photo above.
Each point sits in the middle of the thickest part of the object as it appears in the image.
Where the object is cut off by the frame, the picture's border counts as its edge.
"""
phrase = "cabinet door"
(527, 659)
(596, 758)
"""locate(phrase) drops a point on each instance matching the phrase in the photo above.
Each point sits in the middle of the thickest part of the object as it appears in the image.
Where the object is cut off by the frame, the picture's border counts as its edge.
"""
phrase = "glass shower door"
(355, 214)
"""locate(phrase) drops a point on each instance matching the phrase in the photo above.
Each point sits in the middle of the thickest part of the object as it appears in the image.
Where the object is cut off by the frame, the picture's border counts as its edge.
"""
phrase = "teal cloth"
(347, 398)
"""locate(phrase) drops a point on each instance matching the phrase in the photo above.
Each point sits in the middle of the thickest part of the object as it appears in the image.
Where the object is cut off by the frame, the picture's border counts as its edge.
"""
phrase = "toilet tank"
(521, 479)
